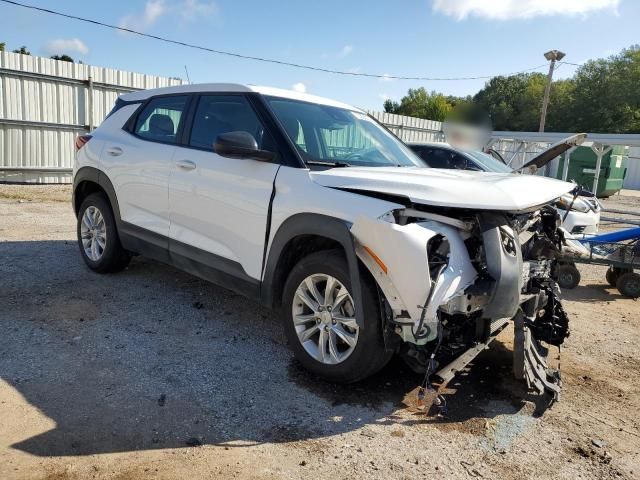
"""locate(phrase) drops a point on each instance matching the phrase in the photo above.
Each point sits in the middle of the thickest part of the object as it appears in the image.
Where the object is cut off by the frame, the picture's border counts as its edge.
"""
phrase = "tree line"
(25, 51)
(602, 96)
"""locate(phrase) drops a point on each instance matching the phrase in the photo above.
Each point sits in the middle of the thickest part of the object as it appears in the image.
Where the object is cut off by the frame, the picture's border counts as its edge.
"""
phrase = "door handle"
(186, 164)
(114, 151)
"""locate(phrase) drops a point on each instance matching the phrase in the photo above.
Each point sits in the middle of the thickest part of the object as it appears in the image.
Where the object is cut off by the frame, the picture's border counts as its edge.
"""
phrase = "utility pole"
(553, 56)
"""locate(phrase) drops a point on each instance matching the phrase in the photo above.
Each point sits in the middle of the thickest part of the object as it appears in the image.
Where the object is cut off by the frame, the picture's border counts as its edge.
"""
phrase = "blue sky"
(435, 38)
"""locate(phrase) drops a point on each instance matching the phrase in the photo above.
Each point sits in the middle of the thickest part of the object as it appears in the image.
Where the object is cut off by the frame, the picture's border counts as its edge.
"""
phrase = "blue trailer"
(619, 250)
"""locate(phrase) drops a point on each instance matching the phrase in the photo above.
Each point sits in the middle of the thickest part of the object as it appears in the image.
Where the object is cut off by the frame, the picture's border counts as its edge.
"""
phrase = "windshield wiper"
(326, 164)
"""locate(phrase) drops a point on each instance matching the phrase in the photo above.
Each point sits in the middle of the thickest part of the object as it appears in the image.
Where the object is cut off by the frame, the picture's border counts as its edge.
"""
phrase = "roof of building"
(629, 139)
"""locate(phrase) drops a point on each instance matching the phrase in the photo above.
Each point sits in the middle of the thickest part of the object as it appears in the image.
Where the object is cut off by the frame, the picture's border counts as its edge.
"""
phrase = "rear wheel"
(320, 320)
(613, 273)
(98, 237)
(628, 284)
(568, 276)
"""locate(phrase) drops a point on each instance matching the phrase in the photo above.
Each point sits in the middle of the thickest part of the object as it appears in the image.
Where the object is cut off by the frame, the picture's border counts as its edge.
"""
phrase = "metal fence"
(45, 103)
(411, 129)
(632, 178)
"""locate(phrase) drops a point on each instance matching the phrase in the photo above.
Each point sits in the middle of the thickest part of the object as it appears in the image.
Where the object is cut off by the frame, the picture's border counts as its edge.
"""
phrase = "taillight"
(81, 141)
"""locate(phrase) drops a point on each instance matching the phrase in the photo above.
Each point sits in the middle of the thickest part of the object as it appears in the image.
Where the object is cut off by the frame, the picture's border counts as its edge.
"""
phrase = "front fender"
(310, 224)
(403, 251)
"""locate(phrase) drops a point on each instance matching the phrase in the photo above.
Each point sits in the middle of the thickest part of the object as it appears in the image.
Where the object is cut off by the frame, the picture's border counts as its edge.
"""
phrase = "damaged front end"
(452, 279)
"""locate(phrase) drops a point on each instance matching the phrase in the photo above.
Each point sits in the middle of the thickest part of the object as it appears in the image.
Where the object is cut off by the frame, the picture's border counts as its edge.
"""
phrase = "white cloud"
(346, 50)
(386, 78)
(153, 10)
(384, 97)
(515, 9)
(71, 45)
(343, 52)
(193, 9)
(299, 87)
(188, 10)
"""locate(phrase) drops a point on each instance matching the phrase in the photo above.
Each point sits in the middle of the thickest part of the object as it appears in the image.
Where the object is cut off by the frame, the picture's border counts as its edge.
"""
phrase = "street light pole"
(553, 56)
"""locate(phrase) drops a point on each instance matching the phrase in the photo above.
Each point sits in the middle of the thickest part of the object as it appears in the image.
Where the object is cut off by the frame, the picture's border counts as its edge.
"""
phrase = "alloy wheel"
(324, 318)
(93, 233)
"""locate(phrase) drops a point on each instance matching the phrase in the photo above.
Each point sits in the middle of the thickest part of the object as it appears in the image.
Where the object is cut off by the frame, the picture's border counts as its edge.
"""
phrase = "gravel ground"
(153, 373)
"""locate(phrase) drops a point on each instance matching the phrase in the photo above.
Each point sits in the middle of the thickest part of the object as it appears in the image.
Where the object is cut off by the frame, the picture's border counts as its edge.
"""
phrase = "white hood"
(448, 188)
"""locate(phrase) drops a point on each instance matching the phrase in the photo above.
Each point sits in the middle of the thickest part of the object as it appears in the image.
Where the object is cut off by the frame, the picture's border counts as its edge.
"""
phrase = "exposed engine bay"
(482, 269)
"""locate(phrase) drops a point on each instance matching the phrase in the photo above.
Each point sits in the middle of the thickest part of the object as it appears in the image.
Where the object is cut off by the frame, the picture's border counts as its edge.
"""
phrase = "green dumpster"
(582, 168)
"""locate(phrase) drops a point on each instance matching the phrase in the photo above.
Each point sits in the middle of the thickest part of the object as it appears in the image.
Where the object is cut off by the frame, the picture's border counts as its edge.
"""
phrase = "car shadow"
(154, 358)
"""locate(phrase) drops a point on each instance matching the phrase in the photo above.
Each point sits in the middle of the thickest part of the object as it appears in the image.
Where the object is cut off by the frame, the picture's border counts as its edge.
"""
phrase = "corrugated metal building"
(45, 103)
(411, 129)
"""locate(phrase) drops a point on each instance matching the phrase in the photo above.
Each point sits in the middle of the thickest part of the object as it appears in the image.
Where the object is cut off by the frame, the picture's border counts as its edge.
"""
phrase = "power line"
(574, 64)
(258, 59)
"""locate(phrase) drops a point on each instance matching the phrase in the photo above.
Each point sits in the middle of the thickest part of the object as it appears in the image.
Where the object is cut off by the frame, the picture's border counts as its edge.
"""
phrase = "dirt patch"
(36, 193)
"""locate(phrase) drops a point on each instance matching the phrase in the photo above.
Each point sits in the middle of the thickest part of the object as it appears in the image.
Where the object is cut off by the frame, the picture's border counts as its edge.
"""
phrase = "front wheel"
(568, 276)
(319, 320)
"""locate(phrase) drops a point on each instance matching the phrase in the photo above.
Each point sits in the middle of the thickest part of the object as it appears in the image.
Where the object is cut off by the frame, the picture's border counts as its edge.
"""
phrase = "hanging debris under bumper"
(541, 319)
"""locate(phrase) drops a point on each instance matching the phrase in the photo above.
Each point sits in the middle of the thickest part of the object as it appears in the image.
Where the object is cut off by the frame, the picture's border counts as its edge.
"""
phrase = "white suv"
(314, 208)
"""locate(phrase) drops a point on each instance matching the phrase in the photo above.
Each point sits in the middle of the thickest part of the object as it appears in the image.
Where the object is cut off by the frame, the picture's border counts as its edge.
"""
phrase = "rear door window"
(438, 158)
(160, 119)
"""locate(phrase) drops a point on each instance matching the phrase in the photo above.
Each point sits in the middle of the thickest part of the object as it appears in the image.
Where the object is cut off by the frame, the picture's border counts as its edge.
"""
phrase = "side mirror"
(240, 145)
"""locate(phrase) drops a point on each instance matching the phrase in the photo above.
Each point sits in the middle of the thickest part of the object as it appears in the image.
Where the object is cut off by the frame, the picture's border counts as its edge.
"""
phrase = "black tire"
(628, 284)
(613, 273)
(369, 354)
(113, 258)
(568, 276)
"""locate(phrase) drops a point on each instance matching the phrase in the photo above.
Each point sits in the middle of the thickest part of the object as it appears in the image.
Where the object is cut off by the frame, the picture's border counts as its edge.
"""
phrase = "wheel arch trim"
(94, 175)
(319, 225)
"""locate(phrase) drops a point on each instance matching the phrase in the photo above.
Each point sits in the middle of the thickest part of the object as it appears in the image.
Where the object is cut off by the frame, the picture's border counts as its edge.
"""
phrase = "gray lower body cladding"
(503, 255)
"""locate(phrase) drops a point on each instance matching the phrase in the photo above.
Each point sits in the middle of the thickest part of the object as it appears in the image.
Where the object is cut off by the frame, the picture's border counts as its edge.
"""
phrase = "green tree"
(2, 46)
(607, 96)
(422, 104)
(390, 106)
(513, 102)
(603, 96)
(23, 50)
(64, 58)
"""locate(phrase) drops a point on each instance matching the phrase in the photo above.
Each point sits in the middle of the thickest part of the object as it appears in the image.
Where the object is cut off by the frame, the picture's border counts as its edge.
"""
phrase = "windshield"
(488, 163)
(334, 136)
